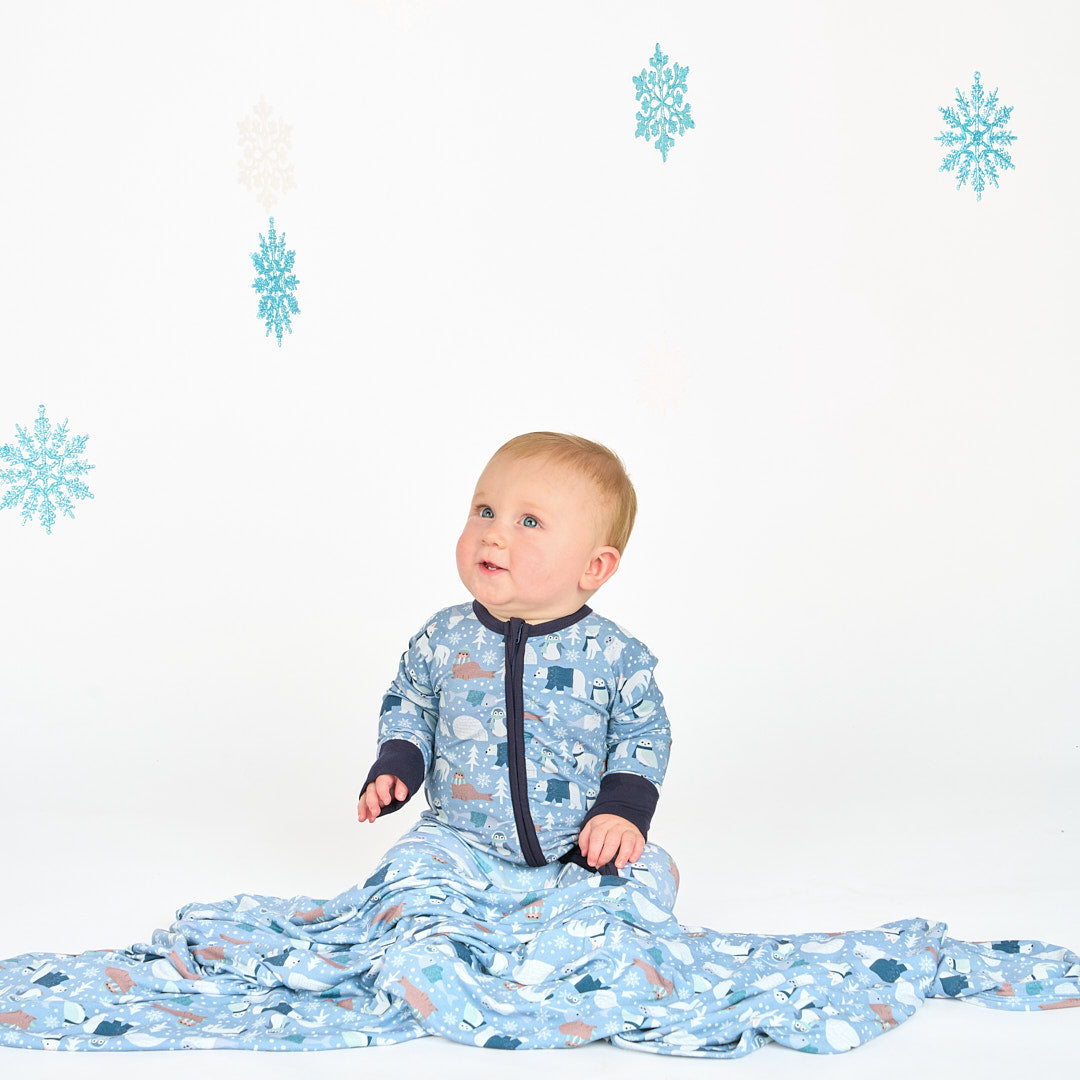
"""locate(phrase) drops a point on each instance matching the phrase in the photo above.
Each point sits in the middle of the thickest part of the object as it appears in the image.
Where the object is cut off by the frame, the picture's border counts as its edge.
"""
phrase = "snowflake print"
(275, 283)
(978, 141)
(489, 657)
(265, 144)
(663, 110)
(576, 708)
(45, 471)
(454, 638)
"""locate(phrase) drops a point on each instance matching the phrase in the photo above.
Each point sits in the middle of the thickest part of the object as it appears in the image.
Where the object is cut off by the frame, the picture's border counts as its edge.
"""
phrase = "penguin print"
(551, 647)
(598, 692)
(644, 753)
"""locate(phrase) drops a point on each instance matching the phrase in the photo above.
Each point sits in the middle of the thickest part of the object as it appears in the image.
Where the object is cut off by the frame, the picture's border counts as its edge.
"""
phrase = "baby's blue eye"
(486, 512)
(529, 521)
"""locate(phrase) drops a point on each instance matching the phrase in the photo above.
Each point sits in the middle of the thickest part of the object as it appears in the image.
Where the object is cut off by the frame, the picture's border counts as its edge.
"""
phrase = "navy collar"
(536, 630)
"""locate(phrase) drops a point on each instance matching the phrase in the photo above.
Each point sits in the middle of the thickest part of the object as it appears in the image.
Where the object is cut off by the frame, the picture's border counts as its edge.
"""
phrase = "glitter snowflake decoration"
(275, 283)
(978, 139)
(45, 471)
(663, 110)
(265, 144)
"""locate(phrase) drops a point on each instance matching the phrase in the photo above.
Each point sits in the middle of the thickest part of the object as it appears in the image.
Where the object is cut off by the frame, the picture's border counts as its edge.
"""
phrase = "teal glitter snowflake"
(663, 111)
(275, 283)
(978, 140)
(45, 471)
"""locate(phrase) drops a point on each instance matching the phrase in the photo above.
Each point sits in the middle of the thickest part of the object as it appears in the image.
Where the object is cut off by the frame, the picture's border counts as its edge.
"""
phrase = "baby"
(535, 722)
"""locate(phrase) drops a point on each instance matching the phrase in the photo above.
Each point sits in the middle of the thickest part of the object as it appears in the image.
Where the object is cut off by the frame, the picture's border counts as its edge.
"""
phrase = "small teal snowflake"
(45, 471)
(978, 139)
(663, 111)
(275, 283)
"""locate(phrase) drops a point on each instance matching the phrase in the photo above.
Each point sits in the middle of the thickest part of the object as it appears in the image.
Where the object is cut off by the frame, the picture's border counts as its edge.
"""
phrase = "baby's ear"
(604, 563)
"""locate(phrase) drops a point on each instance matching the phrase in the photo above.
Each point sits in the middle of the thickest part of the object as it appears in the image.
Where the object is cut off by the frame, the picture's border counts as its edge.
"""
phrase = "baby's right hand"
(377, 795)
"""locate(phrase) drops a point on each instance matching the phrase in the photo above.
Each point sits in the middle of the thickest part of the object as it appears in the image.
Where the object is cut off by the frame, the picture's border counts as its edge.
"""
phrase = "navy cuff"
(403, 759)
(629, 796)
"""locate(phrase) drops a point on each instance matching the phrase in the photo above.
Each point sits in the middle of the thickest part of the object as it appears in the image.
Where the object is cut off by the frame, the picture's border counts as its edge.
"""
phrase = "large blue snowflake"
(275, 283)
(663, 111)
(45, 471)
(978, 140)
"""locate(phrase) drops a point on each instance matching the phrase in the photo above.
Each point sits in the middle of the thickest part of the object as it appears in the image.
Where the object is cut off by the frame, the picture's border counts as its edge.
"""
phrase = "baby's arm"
(406, 736)
(378, 794)
(638, 744)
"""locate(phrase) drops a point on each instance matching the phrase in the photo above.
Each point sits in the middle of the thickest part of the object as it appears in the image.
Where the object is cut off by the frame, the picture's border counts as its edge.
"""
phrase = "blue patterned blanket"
(446, 940)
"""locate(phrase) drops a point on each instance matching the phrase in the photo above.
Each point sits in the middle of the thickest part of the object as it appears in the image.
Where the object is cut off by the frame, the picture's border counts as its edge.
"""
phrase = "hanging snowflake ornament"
(44, 473)
(663, 110)
(978, 139)
(265, 143)
(275, 283)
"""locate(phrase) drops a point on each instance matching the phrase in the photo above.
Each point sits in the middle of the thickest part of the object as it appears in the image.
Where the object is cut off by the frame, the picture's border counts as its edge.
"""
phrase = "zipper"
(515, 739)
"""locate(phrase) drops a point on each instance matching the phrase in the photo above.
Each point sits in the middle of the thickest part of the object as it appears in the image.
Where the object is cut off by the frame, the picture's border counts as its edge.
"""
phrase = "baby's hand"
(608, 836)
(377, 795)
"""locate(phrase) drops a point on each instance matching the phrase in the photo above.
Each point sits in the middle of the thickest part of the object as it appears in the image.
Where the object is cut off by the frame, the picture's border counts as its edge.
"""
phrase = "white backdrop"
(846, 392)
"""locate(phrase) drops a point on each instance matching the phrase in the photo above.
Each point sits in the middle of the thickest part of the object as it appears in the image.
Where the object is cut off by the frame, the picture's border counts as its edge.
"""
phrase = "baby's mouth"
(489, 566)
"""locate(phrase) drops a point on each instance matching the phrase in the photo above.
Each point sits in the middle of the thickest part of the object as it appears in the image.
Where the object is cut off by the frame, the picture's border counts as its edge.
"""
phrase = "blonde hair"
(594, 462)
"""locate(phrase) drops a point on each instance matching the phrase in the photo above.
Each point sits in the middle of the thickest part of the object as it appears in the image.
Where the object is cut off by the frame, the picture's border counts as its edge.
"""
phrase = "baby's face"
(532, 545)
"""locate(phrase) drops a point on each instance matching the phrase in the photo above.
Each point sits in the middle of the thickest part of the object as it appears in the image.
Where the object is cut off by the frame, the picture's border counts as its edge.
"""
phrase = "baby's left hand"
(608, 836)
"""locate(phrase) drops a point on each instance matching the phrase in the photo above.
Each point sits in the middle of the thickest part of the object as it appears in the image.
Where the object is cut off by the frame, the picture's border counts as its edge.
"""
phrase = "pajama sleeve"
(639, 744)
(410, 711)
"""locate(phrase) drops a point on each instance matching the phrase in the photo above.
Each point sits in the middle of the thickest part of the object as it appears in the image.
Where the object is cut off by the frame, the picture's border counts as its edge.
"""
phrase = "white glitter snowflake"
(265, 144)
